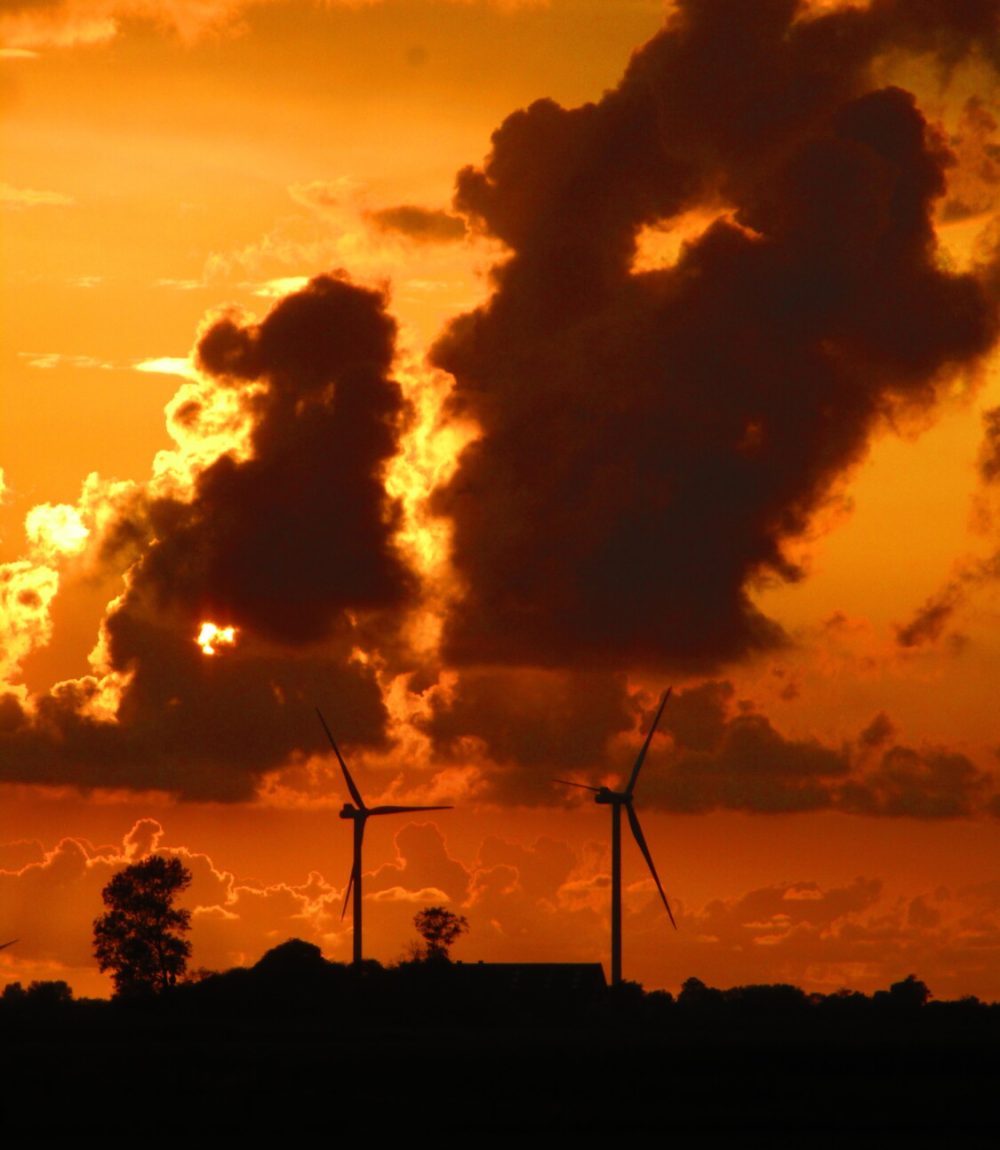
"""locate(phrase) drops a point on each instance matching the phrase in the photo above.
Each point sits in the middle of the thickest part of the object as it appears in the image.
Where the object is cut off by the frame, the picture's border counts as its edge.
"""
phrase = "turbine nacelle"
(358, 813)
(608, 796)
(617, 800)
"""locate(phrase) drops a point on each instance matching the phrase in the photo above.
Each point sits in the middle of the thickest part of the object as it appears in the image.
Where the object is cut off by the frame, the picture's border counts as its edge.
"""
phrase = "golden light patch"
(211, 637)
(429, 456)
(431, 448)
(205, 421)
(91, 697)
(26, 593)
(55, 529)
(660, 245)
(168, 365)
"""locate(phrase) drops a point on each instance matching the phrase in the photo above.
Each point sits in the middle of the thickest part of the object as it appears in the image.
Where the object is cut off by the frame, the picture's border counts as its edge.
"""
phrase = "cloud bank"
(652, 440)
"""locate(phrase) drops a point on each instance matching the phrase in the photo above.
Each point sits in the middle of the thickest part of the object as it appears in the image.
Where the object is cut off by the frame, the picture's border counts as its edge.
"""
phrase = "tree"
(910, 993)
(439, 928)
(140, 938)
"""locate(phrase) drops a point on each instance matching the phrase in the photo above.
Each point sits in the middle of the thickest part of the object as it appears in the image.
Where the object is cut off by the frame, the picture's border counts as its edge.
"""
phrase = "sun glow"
(430, 451)
(429, 457)
(206, 420)
(211, 637)
(55, 529)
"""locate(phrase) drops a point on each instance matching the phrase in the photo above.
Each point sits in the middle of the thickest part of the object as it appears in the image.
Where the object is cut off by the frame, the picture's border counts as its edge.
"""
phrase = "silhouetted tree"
(439, 928)
(910, 993)
(696, 995)
(50, 993)
(140, 938)
(14, 994)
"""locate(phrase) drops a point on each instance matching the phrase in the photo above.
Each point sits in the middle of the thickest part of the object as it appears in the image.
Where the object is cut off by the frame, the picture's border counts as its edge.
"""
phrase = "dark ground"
(319, 1050)
(289, 1076)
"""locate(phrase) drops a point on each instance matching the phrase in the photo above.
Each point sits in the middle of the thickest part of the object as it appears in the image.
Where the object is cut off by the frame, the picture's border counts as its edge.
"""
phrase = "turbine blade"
(582, 786)
(645, 745)
(347, 894)
(355, 793)
(640, 838)
(4, 945)
(404, 810)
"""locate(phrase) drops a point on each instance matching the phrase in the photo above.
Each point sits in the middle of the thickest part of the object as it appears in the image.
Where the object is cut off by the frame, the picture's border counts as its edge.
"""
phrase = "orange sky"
(721, 420)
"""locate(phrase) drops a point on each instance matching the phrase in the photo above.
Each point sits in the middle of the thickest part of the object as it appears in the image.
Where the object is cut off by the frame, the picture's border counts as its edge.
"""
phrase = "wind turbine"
(616, 800)
(360, 814)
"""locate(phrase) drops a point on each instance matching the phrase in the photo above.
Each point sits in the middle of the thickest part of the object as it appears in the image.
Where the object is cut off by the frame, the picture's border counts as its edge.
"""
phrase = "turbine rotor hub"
(609, 797)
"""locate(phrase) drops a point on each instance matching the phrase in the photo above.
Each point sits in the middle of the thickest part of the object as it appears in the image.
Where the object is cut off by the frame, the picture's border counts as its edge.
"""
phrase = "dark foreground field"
(431, 1059)
(257, 1079)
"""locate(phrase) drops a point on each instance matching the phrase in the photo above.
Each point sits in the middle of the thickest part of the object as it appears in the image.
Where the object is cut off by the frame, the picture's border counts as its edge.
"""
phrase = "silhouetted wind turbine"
(360, 814)
(616, 800)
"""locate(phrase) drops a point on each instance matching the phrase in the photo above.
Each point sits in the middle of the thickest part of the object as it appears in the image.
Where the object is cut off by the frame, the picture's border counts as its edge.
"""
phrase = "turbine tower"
(359, 813)
(617, 800)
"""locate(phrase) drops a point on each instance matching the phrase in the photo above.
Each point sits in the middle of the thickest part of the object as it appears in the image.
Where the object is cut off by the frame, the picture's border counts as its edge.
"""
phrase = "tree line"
(141, 940)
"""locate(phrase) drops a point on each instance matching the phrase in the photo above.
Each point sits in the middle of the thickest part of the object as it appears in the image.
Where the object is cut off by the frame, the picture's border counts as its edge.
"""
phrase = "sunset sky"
(488, 366)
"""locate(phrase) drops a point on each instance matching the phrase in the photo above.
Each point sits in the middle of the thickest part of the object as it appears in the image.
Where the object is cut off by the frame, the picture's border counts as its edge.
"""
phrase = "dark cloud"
(989, 455)
(922, 915)
(293, 545)
(422, 871)
(778, 910)
(201, 727)
(651, 441)
(538, 869)
(932, 783)
(878, 731)
(821, 937)
(726, 757)
(696, 718)
(976, 184)
(711, 752)
(741, 762)
(11, 713)
(528, 723)
(929, 621)
(426, 225)
(287, 540)
(751, 767)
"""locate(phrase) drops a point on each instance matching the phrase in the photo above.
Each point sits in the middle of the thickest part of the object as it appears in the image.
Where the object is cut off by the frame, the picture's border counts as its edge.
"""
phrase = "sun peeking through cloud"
(211, 637)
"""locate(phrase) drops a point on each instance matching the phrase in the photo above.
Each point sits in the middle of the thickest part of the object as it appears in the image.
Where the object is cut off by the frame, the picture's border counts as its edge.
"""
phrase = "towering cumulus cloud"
(290, 541)
(652, 439)
(285, 540)
(658, 424)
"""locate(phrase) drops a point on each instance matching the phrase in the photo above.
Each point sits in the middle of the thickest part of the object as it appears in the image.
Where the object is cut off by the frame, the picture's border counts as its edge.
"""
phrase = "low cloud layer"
(538, 901)
(739, 761)
(50, 904)
(711, 753)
